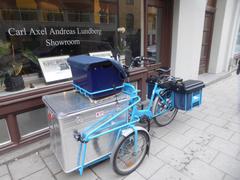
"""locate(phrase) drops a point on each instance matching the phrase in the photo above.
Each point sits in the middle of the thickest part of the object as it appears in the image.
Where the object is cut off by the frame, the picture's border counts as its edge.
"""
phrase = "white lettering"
(17, 32)
(62, 31)
(50, 42)
(11, 31)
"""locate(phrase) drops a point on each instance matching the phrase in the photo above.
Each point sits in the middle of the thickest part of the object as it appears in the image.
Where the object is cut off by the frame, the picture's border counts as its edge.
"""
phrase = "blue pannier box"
(188, 94)
(96, 77)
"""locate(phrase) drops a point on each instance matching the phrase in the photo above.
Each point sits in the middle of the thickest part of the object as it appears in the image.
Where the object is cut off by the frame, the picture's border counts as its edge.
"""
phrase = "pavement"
(202, 144)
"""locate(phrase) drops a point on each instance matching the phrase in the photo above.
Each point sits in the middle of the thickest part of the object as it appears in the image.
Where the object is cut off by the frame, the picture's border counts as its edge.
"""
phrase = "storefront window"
(36, 29)
(32, 121)
(154, 30)
(4, 135)
(130, 19)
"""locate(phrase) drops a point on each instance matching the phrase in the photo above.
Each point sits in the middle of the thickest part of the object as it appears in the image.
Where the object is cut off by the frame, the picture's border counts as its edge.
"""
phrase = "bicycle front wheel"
(125, 159)
(160, 106)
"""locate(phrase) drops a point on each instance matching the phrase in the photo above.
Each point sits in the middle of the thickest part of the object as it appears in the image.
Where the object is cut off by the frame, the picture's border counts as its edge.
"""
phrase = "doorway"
(206, 42)
(207, 36)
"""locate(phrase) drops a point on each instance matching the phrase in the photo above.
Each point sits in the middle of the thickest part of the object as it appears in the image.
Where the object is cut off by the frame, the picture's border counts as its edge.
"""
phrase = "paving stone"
(224, 146)
(182, 117)
(238, 156)
(218, 121)
(168, 173)
(213, 112)
(227, 177)
(87, 175)
(25, 166)
(200, 151)
(235, 118)
(227, 164)
(178, 127)
(43, 174)
(134, 176)
(220, 132)
(235, 138)
(53, 164)
(5, 177)
(194, 133)
(104, 171)
(199, 170)
(176, 140)
(175, 157)
(159, 132)
(3, 170)
(20, 152)
(197, 115)
(193, 122)
(45, 152)
(233, 126)
(157, 145)
(149, 166)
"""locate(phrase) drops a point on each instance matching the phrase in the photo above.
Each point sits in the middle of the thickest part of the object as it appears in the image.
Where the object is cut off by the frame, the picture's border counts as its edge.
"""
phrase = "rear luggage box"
(96, 77)
(188, 94)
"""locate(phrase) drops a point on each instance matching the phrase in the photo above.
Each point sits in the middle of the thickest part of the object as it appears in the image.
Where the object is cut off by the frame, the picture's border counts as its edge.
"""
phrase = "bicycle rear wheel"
(160, 106)
(125, 160)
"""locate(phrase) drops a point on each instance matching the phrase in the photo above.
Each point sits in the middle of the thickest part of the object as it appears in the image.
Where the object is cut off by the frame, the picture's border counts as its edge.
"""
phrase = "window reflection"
(26, 24)
(4, 135)
(130, 18)
(154, 33)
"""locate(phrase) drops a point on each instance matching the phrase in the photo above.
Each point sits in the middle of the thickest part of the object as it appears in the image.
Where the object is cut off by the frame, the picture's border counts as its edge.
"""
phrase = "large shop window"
(32, 121)
(33, 30)
(4, 135)
(154, 33)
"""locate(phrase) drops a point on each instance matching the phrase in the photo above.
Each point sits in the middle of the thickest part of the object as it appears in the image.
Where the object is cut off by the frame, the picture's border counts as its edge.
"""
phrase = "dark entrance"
(207, 37)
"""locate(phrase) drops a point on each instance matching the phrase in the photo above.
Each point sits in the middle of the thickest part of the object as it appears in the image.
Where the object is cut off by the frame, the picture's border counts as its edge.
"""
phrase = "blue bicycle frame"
(148, 111)
(103, 126)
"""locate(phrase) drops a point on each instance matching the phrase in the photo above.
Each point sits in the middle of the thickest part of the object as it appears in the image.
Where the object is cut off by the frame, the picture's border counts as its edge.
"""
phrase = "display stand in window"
(55, 69)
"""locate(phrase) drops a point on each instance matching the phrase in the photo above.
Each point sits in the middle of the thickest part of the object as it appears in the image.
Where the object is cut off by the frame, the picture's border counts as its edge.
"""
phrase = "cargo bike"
(85, 132)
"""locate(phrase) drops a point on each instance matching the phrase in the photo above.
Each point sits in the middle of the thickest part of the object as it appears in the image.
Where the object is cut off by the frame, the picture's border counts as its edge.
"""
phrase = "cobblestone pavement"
(203, 144)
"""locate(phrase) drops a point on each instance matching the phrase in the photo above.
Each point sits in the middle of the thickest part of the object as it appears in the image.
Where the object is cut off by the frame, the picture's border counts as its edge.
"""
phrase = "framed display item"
(55, 69)
(102, 54)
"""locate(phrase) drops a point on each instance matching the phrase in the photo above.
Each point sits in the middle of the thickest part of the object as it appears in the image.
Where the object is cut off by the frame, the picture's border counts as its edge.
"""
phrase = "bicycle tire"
(122, 141)
(159, 120)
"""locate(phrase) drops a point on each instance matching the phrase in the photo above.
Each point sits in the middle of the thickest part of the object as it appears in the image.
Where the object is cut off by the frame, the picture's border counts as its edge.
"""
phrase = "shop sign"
(44, 31)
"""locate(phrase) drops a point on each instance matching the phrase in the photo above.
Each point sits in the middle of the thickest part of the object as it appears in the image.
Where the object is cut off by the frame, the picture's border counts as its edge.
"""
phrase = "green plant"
(4, 48)
(8, 64)
(122, 45)
(30, 56)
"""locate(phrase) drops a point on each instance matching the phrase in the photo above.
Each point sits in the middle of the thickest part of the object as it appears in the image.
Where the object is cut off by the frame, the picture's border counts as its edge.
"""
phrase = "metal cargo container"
(70, 111)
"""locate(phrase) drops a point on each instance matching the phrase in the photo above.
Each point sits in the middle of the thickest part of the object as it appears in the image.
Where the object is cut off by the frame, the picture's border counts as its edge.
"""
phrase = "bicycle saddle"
(163, 70)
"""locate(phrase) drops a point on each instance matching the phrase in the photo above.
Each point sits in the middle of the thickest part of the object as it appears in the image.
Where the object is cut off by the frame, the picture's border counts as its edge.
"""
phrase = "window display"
(31, 30)
(55, 68)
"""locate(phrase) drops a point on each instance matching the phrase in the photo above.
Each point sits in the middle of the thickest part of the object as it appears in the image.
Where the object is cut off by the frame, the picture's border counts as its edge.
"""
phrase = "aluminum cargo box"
(71, 111)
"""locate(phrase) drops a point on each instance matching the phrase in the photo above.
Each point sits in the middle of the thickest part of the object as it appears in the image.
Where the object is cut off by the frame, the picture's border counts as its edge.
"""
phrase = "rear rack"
(89, 94)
